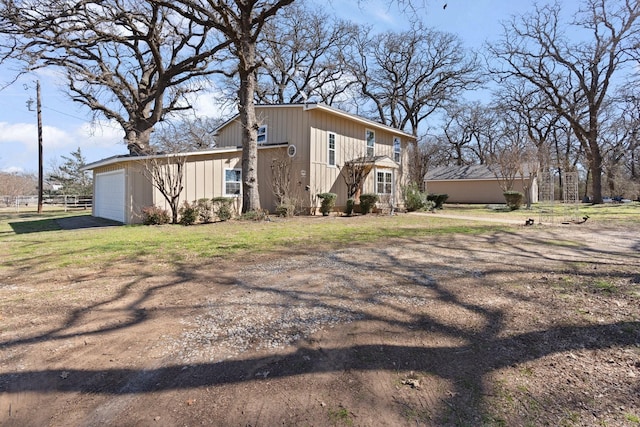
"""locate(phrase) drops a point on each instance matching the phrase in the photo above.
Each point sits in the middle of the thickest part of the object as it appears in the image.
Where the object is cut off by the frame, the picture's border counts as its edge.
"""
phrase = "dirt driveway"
(538, 326)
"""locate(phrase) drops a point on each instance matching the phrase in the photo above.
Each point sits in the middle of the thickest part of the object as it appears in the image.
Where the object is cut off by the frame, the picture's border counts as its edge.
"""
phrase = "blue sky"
(67, 126)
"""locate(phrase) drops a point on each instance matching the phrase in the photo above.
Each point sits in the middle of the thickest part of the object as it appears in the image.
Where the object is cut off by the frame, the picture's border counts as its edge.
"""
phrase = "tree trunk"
(247, 111)
(595, 165)
(173, 204)
(138, 141)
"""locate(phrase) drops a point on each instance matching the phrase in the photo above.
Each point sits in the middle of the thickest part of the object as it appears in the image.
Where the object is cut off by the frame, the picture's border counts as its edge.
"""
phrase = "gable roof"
(469, 172)
(129, 157)
(328, 109)
(381, 161)
(466, 172)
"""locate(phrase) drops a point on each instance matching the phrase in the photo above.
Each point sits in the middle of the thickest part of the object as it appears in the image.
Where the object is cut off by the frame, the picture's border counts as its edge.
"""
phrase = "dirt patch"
(538, 326)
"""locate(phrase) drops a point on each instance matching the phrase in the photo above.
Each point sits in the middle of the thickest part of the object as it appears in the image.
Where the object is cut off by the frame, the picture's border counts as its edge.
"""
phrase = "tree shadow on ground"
(483, 349)
(67, 223)
(458, 364)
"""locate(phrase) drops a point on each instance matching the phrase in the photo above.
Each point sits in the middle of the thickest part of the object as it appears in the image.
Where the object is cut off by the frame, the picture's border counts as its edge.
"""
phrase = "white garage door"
(109, 197)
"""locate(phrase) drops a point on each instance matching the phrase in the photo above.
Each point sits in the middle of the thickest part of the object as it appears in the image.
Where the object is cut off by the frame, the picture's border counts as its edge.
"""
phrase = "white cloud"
(19, 143)
(26, 134)
(13, 169)
(23, 133)
(100, 134)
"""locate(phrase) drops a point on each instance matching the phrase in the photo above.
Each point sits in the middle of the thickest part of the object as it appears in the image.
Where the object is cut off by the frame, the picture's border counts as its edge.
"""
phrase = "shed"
(474, 184)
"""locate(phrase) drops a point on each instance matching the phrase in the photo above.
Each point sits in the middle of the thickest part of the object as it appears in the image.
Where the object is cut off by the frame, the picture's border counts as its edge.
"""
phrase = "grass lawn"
(41, 244)
(366, 320)
(617, 213)
(37, 241)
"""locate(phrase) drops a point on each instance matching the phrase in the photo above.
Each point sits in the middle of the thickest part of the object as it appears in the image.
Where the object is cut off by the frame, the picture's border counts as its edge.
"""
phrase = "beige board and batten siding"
(307, 127)
(285, 125)
(350, 144)
(204, 178)
(473, 191)
(322, 177)
(137, 190)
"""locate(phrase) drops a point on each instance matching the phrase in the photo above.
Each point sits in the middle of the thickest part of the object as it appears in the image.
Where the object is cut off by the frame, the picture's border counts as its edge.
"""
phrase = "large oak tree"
(241, 22)
(573, 65)
(409, 75)
(132, 61)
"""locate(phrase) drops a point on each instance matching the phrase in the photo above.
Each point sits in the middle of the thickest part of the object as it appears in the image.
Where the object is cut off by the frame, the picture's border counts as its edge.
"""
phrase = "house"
(474, 184)
(318, 143)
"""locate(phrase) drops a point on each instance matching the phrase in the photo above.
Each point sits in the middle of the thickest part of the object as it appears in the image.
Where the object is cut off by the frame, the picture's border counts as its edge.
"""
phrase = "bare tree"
(469, 133)
(355, 172)
(619, 141)
(301, 52)
(422, 155)
(409, 75)
(241, 22)
(166, 173)
(574, 77)
(185, 135)
(17, 184)
(630, 120)
(284, 188)
(132, 61)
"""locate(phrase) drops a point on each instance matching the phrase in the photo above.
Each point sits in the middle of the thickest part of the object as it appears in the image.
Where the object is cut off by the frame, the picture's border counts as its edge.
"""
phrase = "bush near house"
(188, 213)
(351, 204)
(513, 199)
(287, 208)
(222, 208)
(205, 210)
(328, 202)
(438, 199)
(367, 201)
(414, 199)
(153, 215)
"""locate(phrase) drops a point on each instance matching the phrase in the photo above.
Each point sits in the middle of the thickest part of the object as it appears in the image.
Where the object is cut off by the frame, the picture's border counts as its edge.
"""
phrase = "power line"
(104, 124)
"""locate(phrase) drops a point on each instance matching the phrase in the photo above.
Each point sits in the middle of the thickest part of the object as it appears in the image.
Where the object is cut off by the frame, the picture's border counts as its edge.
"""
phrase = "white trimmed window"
(384, 182)
(396, 149)
(262, 134)
(331, 155)
(370, 137)
(232, 182)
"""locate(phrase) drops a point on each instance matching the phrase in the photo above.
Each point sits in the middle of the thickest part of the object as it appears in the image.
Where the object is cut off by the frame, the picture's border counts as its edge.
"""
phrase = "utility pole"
(40, 169)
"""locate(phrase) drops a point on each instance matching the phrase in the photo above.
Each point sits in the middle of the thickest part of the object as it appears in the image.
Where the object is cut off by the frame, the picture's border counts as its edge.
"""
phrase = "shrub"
(285, 210)
(205, 210)
(367, 201)
(328, 202)
(514, 199)
(414, 199)
(222, 207)
(258, 215)
(153, 215)
(438, 200)
(351, 204)
(188, 213)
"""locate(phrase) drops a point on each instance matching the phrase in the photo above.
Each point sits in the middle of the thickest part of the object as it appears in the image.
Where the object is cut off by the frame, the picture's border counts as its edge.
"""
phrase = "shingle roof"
(446, 173)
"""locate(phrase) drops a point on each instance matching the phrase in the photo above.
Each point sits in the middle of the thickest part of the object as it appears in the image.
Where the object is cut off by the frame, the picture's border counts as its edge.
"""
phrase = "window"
(370, 136)
(232, 182)
(384, 182)
(262, 134)
(331, 159)
(396, 149)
